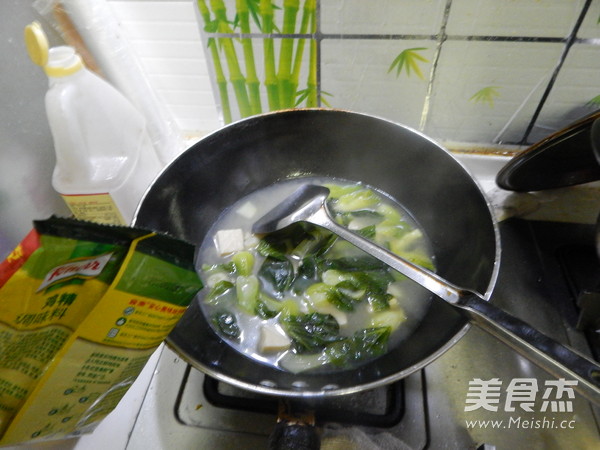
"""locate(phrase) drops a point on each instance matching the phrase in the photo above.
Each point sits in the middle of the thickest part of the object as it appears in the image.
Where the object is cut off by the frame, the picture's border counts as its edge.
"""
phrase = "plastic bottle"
(104, 158)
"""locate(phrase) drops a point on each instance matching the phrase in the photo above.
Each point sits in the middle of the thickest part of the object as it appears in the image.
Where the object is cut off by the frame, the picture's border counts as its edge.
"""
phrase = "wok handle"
(555, 358)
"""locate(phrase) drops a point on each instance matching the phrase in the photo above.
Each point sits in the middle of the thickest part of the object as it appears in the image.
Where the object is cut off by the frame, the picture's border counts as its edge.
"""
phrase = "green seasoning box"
(82, 308)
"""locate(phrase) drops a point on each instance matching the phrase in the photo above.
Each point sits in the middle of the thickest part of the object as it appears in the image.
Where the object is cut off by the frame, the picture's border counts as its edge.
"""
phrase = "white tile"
(590, 28)
(356, 74)
(382, 16)
(188, 97)
(168, 49)
(577, 83)
(181, 82)
(541, 18)
(174, 66)
(154, 11)
(515, 70)
(199, 118)
(167, 31)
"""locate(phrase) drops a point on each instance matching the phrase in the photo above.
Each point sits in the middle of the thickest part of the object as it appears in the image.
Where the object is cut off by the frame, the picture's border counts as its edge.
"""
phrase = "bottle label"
(99, 208)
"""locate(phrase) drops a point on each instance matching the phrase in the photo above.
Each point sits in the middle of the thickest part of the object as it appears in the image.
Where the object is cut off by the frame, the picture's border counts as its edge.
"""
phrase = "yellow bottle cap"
(37, 43)
(57, 61)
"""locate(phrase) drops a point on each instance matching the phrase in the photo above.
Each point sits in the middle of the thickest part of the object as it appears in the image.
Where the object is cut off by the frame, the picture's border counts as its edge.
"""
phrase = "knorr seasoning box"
(82, 308)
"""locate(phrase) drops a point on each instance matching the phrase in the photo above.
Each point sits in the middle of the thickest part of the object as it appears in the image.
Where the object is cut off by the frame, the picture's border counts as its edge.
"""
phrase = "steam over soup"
(302, 298)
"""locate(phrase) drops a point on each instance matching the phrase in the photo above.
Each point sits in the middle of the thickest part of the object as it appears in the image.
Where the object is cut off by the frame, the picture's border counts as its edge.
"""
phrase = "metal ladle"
(308, 204)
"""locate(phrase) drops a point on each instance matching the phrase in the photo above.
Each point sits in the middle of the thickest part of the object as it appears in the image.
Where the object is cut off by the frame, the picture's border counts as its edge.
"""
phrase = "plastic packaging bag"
(82, 308)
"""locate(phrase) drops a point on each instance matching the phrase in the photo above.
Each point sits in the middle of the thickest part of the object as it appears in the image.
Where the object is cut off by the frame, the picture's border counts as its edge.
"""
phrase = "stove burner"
(382, 407)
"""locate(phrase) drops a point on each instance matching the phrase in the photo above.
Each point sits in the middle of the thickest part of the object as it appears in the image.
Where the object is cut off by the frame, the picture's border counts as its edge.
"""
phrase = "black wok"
(188, 197)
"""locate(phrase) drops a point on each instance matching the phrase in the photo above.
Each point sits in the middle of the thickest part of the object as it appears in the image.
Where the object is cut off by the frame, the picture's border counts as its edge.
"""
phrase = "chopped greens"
(226, 324)
(219, 290)
(311, 332)
(247, 290)
(277, 274)
(364, 344)
(266, 307)
(244, 262)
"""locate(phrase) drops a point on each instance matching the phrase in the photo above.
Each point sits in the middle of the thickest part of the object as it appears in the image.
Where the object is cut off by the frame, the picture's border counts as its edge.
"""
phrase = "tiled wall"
(486, 71)
(166, 36)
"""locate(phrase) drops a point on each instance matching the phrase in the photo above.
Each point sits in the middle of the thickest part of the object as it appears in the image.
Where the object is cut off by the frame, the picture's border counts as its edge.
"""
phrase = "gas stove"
(479, 394)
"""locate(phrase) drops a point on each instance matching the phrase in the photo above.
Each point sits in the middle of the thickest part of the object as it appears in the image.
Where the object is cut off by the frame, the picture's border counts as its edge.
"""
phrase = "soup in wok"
(303, 299)
(193, 192)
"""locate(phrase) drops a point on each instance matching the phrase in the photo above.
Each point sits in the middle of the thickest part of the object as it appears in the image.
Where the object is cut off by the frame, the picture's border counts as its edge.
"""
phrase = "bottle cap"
(57, 61)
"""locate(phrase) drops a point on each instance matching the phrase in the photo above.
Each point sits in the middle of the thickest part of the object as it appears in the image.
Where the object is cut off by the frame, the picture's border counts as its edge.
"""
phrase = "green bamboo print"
(281, 80)
(408, 60)
(308, 14)
(284, 74)
(312, 99)
(486, 95)
(236, 76)
(266, 12)
(214, 52)
(243, 15)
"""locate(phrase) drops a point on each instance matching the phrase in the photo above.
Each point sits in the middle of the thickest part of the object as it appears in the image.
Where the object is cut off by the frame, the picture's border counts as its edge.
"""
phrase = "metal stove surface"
(437, 413)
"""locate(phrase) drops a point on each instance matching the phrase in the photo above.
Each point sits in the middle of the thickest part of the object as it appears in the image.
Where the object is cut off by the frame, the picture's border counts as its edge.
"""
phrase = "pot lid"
(565, 158)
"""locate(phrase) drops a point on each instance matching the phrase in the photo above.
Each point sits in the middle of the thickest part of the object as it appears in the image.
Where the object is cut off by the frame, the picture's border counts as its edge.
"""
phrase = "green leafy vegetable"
(354, 264)
(271, 249)
(356, 200)
(368, 232)
(244, 262)
(341, 300)
(247, 290)
(364, 344)
(391, 319)
(378, 301)
(219, 290)
(228, 268)
(226, 324)
(268, 307)
(307, 274)
(276, 273)
(324, 243)
(372, 281)
(311, 332)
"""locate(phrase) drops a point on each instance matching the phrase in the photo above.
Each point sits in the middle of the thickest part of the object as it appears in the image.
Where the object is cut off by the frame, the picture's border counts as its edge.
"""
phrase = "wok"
(190, 194)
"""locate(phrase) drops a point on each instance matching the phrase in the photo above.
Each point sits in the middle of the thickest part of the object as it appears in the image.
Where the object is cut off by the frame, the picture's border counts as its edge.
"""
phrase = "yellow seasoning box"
(82, 308)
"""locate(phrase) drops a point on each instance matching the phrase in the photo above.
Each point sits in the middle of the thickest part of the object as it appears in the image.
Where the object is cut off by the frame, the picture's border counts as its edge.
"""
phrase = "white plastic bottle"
(104, 158)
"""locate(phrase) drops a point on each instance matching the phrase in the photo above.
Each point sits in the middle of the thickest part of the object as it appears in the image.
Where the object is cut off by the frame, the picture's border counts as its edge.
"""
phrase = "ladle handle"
(555, 358)
(540, 349)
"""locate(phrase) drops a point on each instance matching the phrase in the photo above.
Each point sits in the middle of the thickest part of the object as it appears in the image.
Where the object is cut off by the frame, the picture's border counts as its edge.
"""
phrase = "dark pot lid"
(565, 158)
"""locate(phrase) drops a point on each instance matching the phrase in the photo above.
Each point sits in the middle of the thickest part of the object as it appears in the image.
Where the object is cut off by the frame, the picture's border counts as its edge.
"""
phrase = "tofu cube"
(271, 340)
(229, 241)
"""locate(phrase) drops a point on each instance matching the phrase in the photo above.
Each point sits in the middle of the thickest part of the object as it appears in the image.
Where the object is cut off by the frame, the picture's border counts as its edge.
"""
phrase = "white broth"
(302, 298)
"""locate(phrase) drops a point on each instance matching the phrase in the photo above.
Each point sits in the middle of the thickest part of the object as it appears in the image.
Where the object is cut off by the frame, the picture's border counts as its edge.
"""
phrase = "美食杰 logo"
(522, 395)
